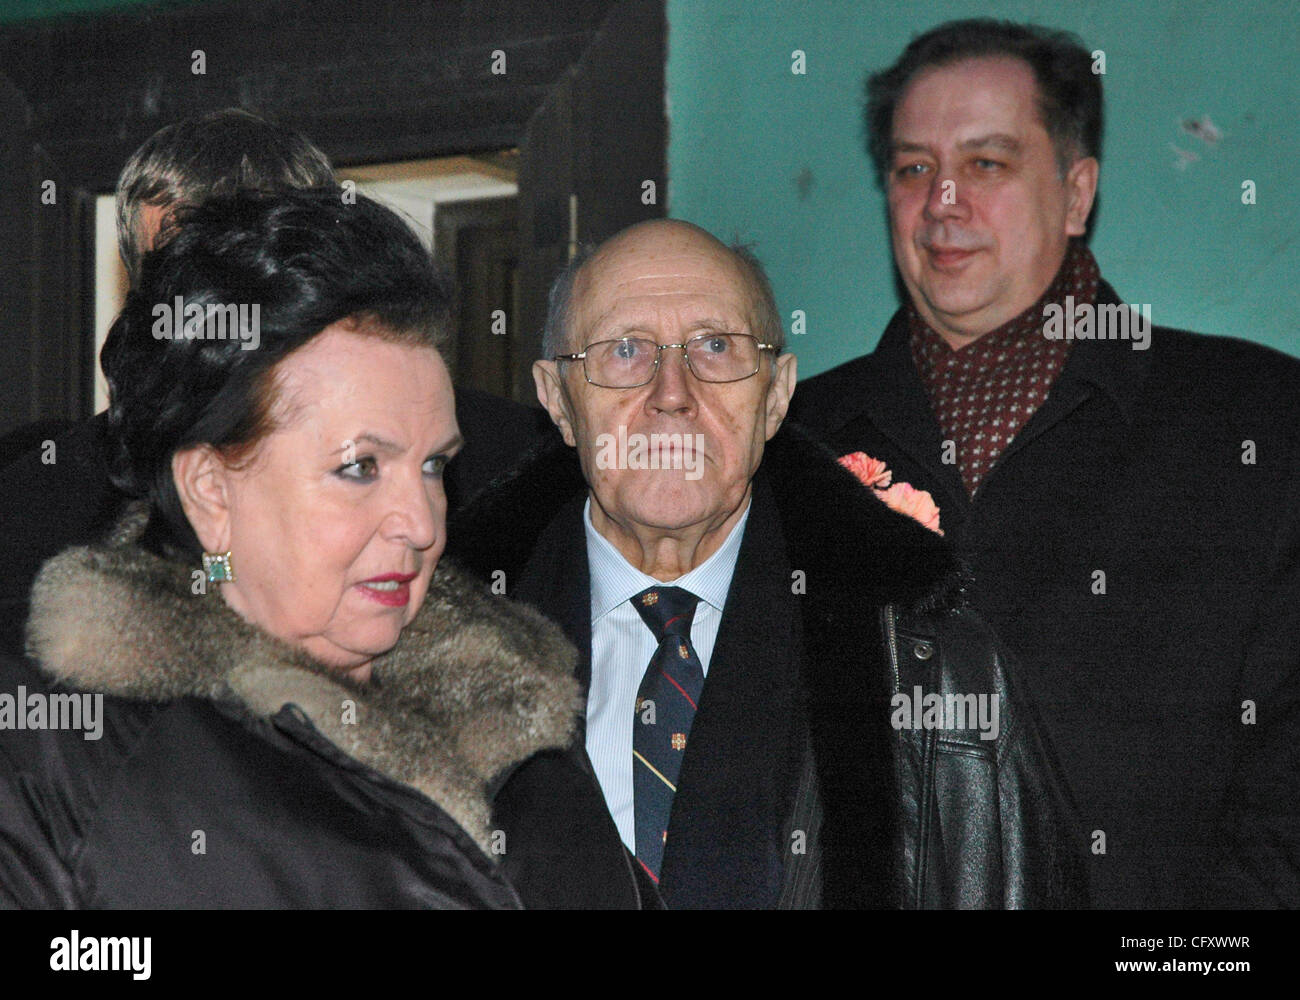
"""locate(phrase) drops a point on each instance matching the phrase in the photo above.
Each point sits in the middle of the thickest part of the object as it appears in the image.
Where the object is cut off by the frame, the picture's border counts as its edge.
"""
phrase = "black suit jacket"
(1170, 685)
(47, 506)
(736, 791)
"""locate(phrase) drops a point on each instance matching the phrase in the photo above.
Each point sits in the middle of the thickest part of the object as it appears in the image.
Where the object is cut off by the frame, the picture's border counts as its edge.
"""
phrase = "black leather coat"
(985, 820)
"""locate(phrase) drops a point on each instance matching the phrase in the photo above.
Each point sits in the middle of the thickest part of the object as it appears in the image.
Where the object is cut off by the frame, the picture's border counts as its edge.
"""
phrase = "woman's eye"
(361, 469)
(436, 465)
(627, 350)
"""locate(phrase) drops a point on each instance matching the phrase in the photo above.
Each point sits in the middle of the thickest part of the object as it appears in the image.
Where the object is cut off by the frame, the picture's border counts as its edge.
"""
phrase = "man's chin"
(663, 504)
(954, 311)
(675, 504)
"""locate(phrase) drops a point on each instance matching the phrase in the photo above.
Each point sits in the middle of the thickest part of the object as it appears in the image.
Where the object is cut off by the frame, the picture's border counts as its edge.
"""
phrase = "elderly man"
(747, 616)
(1127, 497)
(69, 501)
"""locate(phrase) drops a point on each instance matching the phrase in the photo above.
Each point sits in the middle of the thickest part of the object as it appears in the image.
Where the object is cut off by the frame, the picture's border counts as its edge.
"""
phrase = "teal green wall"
(743, 131)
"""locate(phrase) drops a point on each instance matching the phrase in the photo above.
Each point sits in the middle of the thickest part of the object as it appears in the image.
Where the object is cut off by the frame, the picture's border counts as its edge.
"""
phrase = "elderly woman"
(263, 690)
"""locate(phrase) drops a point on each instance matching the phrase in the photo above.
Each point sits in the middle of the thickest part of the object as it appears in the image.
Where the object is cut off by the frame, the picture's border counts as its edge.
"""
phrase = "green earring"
(217, 566)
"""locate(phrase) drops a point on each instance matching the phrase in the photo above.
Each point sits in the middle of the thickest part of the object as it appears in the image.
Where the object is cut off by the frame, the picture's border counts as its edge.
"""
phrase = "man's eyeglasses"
(634, 361)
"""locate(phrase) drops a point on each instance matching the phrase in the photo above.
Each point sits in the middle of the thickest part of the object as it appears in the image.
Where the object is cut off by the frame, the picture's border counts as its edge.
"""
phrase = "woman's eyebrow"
(382, 443)
(452, 444)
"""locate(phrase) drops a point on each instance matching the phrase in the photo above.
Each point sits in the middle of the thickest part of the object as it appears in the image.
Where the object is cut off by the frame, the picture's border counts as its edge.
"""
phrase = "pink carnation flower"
(916, 504)
(870, 471)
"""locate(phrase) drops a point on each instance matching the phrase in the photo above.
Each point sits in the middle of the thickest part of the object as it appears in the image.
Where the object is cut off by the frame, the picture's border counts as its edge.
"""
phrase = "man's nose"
(945, 198)
(673, 389)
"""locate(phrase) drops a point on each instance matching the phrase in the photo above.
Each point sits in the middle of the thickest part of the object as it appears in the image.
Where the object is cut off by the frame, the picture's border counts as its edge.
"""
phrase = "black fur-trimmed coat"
(226, 769)
(796, 789)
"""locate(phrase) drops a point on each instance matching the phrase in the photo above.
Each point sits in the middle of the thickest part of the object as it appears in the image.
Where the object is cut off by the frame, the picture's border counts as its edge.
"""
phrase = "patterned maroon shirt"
(985, 392)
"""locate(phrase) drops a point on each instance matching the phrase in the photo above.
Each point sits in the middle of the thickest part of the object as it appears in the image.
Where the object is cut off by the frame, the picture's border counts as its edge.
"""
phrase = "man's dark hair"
(307, 260)
(1069, 92)
(214, 154)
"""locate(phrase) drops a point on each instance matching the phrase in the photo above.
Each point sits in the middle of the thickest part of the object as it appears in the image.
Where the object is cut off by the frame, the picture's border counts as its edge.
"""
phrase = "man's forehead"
(689, 310)
(970, 94)
(666, 249)
(643, 278)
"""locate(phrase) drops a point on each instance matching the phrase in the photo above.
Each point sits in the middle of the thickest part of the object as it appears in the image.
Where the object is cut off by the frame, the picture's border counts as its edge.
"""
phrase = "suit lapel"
(894, 399)
(737, 781)
(1108, 366)
(557, 581)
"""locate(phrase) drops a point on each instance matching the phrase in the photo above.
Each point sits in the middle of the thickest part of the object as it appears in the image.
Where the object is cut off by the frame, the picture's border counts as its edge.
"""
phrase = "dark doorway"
(478, 243)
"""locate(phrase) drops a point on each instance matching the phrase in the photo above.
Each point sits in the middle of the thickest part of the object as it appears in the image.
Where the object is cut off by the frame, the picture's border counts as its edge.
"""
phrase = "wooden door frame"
(390, 118)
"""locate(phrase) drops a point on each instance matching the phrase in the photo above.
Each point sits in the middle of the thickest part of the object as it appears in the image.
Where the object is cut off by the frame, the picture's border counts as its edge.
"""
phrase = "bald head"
(645, 248)
(657, 237)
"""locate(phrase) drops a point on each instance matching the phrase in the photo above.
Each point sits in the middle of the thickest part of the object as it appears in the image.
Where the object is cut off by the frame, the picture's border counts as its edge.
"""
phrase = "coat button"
(923, 650)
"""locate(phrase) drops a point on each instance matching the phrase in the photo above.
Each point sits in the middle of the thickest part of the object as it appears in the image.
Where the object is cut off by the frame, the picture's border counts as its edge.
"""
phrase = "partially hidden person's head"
(669, 436)
(277, 392)
(986, 137)
(213, 154)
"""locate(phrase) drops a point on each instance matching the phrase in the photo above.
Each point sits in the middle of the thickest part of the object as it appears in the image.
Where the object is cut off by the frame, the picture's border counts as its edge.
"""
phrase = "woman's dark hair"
(245, 281)
(1069, 92)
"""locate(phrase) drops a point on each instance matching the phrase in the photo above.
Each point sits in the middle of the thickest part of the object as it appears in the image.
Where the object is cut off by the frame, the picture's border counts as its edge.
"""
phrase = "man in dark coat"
(1126, 496)
(59, 493)
(804, 619)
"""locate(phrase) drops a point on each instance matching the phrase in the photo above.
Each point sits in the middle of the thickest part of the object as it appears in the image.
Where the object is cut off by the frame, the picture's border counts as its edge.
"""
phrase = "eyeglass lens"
(714, 357)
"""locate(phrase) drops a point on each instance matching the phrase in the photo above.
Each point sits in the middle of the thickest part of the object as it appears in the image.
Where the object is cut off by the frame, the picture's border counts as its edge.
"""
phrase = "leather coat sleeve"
(50, 785)
(33, 874)
(995, 825)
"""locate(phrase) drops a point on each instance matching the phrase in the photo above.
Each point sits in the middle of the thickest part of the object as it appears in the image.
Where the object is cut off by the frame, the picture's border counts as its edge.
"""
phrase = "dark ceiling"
(387, 79)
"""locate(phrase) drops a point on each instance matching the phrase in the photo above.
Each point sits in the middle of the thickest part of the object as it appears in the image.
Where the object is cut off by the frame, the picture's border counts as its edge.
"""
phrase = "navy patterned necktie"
(665, 706)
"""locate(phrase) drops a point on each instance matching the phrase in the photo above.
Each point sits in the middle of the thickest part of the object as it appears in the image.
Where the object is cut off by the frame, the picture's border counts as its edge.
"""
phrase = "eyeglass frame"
(659, 348)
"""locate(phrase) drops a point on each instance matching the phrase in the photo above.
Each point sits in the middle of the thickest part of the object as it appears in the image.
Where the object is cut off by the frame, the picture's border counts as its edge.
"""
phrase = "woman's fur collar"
(475, 685)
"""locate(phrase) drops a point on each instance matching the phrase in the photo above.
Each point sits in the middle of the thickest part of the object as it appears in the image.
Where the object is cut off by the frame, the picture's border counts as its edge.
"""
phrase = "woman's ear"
(203, 485)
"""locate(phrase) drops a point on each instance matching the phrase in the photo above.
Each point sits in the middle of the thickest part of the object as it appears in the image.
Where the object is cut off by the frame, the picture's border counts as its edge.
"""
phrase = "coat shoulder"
(1238, 366)
(83, 743)
(826, 401)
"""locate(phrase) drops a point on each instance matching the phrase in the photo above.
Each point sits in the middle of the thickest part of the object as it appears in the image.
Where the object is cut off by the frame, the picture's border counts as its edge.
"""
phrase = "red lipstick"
(391, 590)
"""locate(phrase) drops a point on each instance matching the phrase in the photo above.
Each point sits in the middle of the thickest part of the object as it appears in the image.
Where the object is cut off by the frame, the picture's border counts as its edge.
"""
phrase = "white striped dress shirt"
(622, 646)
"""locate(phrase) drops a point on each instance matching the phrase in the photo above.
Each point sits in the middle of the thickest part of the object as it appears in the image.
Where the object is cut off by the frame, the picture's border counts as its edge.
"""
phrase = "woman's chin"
(344, 654)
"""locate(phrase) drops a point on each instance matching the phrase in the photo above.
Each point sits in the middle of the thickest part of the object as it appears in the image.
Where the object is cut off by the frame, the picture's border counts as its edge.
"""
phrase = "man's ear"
(1081, 183)
(784, 375)
(203, 485)
(551, 394)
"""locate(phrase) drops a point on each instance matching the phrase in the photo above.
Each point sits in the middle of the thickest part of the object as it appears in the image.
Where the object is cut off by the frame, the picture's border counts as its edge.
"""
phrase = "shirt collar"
(615, 580)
